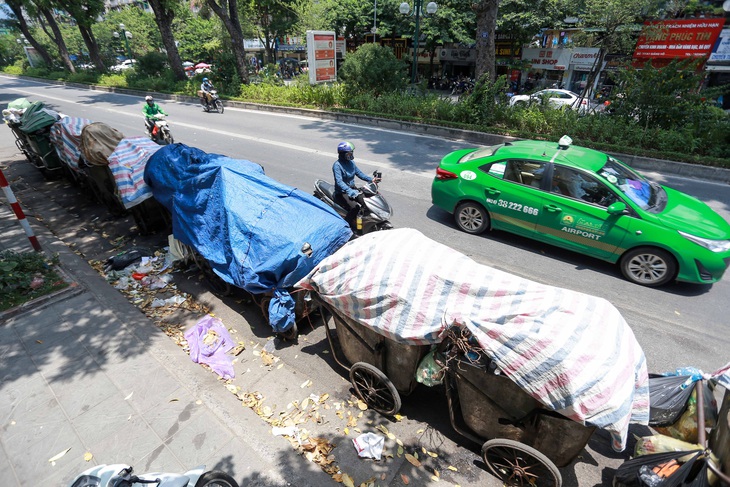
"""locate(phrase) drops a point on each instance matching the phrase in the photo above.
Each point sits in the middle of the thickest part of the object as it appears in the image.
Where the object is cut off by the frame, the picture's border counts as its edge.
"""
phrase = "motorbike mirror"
(378, 174)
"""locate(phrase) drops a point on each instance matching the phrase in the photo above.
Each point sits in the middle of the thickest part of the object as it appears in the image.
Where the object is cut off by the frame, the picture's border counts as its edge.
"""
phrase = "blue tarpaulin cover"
(252, 229)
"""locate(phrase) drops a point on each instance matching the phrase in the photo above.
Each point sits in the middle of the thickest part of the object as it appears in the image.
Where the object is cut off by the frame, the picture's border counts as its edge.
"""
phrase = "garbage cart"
(511, 353)
(36, 124)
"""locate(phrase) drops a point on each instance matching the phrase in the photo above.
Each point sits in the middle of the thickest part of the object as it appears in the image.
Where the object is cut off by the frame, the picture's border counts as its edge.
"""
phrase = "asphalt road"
(677, 325)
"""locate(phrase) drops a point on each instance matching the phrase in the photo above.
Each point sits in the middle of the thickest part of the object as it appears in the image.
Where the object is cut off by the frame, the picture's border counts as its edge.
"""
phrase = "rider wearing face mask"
(346, 194)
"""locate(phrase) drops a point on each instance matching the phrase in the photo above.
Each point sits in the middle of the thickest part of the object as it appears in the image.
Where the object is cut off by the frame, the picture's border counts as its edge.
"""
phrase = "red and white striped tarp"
(572, 352)
(66, 137)
(127, 164)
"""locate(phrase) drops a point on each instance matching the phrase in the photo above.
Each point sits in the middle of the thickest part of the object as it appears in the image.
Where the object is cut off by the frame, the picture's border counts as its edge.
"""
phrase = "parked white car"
(124, 65)
(556, 98)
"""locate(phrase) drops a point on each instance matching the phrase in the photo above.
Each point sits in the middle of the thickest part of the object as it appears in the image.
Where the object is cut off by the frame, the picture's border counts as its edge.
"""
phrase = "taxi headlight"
(713, 245)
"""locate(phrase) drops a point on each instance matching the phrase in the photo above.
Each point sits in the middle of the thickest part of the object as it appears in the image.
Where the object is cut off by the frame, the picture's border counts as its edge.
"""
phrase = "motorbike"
(161, 131)
(377, 214)
(213, 102)
(120, 475)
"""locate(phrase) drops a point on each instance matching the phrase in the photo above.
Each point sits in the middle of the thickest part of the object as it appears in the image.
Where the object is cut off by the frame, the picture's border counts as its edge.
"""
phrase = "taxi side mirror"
(617, 208)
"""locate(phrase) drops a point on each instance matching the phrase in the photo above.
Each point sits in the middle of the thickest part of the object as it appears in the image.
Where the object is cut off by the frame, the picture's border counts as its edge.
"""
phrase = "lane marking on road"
(260, 140)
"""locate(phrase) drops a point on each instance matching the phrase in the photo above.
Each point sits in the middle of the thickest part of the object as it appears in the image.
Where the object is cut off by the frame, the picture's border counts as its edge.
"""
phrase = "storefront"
(457, 61)
(582, 62)
(548, 68)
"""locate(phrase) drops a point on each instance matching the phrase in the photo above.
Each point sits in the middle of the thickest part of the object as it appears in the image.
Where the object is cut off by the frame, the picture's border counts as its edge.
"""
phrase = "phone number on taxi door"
(511, 205)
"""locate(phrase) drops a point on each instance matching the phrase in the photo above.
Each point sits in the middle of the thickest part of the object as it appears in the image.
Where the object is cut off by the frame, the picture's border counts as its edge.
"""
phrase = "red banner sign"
(678, 39)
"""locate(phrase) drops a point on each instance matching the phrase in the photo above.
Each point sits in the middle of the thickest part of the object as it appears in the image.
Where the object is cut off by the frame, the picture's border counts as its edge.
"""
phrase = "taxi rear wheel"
(471, 217)
(648, 266)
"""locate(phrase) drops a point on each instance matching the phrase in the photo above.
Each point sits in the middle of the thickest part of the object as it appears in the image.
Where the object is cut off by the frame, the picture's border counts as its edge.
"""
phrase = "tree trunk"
(56, 36)
(233, 26)
(92, 46)
(23, 25)
(486, 13)
(163, 18)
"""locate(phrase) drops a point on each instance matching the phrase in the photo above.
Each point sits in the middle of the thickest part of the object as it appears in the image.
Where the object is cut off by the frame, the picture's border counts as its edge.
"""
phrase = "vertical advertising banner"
(321, 46)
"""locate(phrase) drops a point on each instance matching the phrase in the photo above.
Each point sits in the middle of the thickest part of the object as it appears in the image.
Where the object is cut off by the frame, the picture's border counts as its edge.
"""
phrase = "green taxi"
(586, 201)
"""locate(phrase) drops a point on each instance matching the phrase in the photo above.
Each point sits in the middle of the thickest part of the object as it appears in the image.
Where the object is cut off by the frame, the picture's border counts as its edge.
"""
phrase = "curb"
(695, 171)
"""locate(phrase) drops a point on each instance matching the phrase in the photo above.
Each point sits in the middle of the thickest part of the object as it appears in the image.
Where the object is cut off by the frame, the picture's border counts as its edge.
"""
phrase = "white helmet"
(148, 98)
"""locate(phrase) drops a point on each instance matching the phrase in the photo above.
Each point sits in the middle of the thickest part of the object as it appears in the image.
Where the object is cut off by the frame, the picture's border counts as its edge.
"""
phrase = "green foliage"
(487, 102)
(224, 74)
(152, 64)
(14, 69)
(374, 69)
(26, 276)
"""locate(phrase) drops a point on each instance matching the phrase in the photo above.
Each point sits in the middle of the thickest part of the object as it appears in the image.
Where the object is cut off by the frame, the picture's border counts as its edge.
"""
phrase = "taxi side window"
(528, 173)
(579, 185)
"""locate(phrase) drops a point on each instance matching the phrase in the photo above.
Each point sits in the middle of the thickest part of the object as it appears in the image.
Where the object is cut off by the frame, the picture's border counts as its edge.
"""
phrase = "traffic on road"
(293, 148)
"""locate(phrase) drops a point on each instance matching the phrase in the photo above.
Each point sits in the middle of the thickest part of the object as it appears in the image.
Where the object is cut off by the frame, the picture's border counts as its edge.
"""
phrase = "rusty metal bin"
(493, 406)
(381, 369)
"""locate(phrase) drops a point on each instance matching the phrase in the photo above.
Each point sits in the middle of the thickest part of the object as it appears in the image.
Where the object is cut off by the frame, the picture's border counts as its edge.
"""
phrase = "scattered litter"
(209, 341)
(125, 259)
(156, 282)
(173, 301)
(54, 458)
(369, 445)
(284, 431)
(123, 283)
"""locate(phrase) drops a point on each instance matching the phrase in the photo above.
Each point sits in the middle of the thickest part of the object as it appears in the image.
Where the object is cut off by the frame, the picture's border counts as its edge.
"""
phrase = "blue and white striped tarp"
(127, 164)
(66, 138)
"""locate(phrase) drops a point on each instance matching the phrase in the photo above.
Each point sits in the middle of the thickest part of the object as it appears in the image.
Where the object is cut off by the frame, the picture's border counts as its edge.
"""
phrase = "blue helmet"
(345, 150)
(205, 80)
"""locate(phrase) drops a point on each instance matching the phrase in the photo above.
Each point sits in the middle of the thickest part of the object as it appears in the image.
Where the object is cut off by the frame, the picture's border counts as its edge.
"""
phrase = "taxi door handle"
(553, 208)
(493, 191)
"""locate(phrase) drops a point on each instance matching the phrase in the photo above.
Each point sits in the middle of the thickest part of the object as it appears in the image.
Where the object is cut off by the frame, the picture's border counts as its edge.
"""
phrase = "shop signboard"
(583, 58)
(321, 46)
(721, 51)
(678, 38)
(552, 59)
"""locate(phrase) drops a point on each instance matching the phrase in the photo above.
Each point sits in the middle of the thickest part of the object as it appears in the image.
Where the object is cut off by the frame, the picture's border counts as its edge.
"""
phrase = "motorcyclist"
(205, 89)
(150, 110)
(346, 194)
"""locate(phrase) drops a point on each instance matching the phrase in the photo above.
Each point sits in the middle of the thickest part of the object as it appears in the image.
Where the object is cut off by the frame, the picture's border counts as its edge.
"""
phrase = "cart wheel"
(515, 463)
(375, 389)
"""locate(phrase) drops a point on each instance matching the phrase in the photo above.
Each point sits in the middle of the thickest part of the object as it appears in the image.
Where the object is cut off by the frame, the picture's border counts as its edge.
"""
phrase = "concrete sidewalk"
(88, 372)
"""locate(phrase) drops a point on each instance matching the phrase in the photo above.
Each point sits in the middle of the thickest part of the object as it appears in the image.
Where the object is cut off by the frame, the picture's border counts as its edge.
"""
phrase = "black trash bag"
(126, 258)
(668, 398)
(692, 473)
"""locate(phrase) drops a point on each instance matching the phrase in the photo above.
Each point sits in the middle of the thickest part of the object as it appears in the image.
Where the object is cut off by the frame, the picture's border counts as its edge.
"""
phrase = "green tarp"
(37, 117)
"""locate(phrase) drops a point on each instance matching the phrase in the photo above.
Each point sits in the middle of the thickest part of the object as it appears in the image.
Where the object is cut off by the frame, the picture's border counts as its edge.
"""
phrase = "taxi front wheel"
(648, 266)
(471, 217)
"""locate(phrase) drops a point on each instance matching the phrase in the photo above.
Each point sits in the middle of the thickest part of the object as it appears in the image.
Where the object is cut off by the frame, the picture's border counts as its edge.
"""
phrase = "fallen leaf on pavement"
(452, 468)
(405, 479)
(413, 460)
(361, 405)
(130, 395)
(347, 481)
(306, 383)
(174, 399)
(58, 456)
(88, 456)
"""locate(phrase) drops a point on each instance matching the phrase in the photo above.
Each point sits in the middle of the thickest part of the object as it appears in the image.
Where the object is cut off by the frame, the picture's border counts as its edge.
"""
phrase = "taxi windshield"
(479, 153)
(648, 195)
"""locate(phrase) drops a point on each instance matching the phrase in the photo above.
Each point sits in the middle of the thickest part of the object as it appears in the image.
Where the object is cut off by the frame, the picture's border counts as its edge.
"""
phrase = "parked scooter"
(380, 211)
(161, 131)
(121, 476)
(213, 102)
